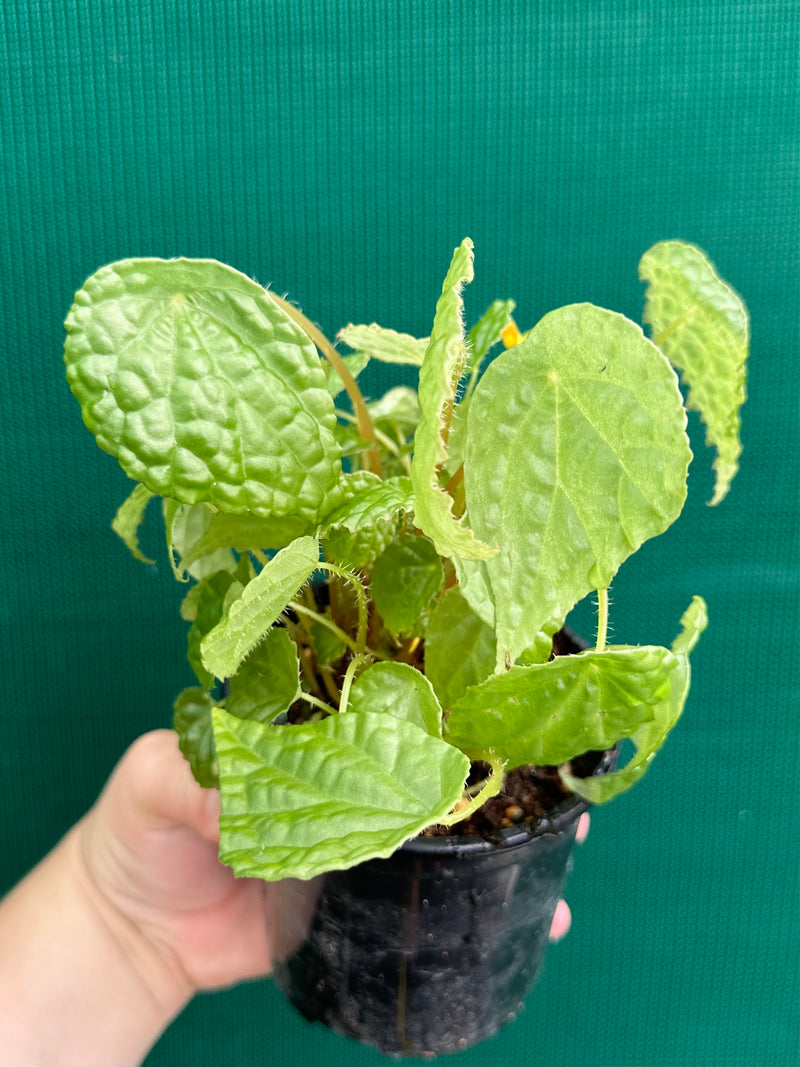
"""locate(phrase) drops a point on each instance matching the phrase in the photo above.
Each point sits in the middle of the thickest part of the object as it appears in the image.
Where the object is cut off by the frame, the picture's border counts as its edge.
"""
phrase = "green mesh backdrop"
(340, 150)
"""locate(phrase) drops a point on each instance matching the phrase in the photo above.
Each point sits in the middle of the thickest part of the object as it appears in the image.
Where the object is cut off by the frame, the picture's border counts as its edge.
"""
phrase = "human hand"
(150, 849)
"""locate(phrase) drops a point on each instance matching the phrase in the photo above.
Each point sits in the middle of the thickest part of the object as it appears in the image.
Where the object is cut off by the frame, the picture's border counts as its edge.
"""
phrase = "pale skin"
(104, 943)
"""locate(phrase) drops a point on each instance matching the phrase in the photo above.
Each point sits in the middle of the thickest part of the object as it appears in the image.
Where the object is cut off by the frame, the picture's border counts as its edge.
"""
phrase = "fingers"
(155, 781)
(562, 920)
(582, 832)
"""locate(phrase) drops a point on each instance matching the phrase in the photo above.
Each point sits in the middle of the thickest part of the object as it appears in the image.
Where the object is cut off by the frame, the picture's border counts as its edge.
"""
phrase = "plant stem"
(349, 678)
(361, 596)
(490, 788)
(363, 421)
(310, 699)
(323, 620)
(602, 619)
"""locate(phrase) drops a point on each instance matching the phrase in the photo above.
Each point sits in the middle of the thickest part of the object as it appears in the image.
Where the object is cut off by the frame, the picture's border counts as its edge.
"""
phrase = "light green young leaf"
(588, 459)
(649, 738)
(202, 387)
(355, 364)
(400, 690)
(245, 533)
(260, 605)
(301, 800)
(487, 332)
(185, 525)
(129, 518)
(369, 500)
(459, 648)
(552, 712)
(268, 682)
(398, 407)
(360, 528)
(192, 722)
(702, 327)
(405, 579)
(387, 346)
(438, 381)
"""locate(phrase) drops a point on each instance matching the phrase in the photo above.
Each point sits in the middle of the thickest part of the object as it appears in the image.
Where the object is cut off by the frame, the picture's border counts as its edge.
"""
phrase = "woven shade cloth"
(339, 150)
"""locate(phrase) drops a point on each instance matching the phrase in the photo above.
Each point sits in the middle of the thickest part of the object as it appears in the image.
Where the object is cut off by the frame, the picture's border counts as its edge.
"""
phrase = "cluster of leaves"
(375, 587)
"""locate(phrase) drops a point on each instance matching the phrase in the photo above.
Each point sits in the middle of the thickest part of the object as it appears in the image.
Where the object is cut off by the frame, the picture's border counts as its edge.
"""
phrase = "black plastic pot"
(433, 949)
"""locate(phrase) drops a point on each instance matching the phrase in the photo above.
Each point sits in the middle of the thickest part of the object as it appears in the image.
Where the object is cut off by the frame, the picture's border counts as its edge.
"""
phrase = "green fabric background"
(340, 150)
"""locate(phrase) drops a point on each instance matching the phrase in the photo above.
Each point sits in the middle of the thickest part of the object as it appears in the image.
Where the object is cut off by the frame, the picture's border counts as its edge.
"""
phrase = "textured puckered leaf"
(405, 579)
(385, 345)
(192, 721)
(649, 738)
(438, 381)
(301, 800)
(359, 529)
(459, 648)
(370, 500)
(129, 518)
(587, 457)
(259, 606)
(702, 326)
(487, 332)
(268, 682)
(552, 712)
(203, 388)
(400, 690)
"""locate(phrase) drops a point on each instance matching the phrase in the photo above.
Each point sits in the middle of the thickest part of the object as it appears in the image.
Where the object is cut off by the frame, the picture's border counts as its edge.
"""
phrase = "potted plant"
(402, 729)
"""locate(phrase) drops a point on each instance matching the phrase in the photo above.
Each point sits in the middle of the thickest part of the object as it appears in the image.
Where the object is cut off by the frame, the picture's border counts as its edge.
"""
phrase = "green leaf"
(587, 458)
(438, 381)
(328, 647)
(405, 579)
(245, 533)
(398, 407)
(552, 712)
(487, 332)
(202, 387)
(355, 364)
(209, 605)
(268, 682)
(301, 800)
(368, 500)
(459, 648)
(388, 346)
(129, 518)
(185, 526)
(649, 738)
(400, 690)
(260, 605)
(192, 722)
(702, 326)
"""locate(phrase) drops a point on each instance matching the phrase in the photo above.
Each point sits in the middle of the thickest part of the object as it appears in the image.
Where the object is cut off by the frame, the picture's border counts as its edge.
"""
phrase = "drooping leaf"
(385, 345)
(552, 712)
(405, 579)
(202, 387)
(487, 332)
(245, 533)
(588, 458)
(129, 518)
(438, 381)
(459, 648)
(268, 682)
(301, 800)
(702, 326)
(649, 738)
(185, 526)
(398, 689)
(260, 605)
(192, 722)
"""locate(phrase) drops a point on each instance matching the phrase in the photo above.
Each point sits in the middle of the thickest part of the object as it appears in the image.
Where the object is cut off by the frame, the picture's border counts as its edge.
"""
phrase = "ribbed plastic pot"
(433, 949)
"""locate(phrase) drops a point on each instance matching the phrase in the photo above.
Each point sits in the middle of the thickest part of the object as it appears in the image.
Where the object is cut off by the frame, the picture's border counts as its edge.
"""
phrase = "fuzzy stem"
(349, 678)
(361, 595)
(310, 699)
(489, 788)
(364, 422)
(602, 619)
